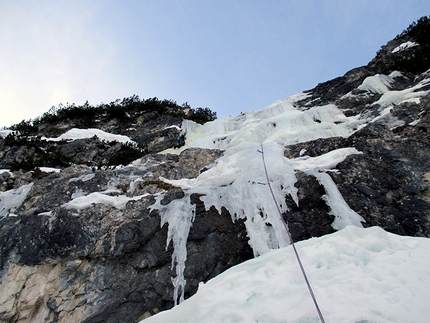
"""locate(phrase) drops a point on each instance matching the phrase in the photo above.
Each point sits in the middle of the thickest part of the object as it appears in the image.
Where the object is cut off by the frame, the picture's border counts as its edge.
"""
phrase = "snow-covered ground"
(357, 275)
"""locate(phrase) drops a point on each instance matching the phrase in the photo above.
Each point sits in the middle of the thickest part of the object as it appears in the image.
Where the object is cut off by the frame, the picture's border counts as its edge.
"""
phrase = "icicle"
(179, 214)
(236, 184)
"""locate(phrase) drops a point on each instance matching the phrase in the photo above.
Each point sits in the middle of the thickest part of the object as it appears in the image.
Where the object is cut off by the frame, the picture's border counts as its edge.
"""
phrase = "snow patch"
(6, 171)
(5, 133)
(83, 202)
(50, 170)
(48, 214)
(75, 133)
(402, 47)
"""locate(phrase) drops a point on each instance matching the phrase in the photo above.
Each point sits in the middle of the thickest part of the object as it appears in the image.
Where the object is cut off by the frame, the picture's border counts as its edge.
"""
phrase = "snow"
(12, 199)
(404, 46)
(298, 97)
(4, 133)
(80, 202)
(50, 170)
(173, 127)
(237, 180)
(48, 213)
(357, 275)
(6, 171)
(75, 133)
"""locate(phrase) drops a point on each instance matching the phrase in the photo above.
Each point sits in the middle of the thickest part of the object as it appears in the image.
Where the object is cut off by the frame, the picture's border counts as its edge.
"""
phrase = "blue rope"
(291, 239)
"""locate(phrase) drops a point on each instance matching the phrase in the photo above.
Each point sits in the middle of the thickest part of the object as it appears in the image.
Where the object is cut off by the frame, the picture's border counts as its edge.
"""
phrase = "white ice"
(281, 122)
(179, 215)
(83, 178)
(357, 275)
(344, 215)
(323, 162)
(237, 180)
(378, 83)
(12, 199)
(317, 166)
(414, 93)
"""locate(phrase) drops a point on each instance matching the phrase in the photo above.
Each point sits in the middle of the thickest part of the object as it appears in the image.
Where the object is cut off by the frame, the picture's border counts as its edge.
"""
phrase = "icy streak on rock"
(344, 215)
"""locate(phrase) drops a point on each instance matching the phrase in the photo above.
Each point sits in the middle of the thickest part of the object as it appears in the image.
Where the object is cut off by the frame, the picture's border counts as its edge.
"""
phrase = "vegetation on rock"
(415, 59)
(123, 110)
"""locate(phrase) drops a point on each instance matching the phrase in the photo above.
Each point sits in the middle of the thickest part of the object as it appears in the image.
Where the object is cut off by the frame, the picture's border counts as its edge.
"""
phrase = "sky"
(229, 56)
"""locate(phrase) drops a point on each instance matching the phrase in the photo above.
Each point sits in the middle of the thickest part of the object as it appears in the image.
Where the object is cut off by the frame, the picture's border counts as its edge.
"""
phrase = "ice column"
(179, 214)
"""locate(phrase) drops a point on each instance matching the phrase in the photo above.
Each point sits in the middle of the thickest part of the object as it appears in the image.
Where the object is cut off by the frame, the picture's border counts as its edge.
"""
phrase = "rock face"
(85, 244)
(108, 263)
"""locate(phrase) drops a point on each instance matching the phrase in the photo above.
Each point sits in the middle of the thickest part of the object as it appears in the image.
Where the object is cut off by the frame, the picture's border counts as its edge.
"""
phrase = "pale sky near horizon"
(230, 56)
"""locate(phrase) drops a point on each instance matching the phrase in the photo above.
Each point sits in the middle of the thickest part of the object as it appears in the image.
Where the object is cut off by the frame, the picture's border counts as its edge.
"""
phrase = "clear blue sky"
(230, 56)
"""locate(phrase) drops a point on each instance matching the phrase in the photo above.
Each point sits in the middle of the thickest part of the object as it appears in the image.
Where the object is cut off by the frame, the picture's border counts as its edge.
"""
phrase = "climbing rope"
(291, 239)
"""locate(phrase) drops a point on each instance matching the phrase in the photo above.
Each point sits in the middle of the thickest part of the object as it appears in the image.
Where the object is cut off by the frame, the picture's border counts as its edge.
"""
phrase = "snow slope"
(358, 275)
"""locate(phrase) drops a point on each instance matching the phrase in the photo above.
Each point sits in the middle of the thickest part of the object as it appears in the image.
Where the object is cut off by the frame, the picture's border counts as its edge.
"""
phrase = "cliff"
(103, 221)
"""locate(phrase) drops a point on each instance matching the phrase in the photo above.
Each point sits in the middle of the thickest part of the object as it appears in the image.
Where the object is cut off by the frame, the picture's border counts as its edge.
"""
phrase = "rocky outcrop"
(151, 133)
(108, 263)
(388, 184)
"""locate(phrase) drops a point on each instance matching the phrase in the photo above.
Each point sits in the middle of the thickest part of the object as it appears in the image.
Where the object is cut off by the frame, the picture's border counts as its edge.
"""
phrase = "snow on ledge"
(50, 170)
(404, 46)
(5, 133)
(84, 202)
(75, 133)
